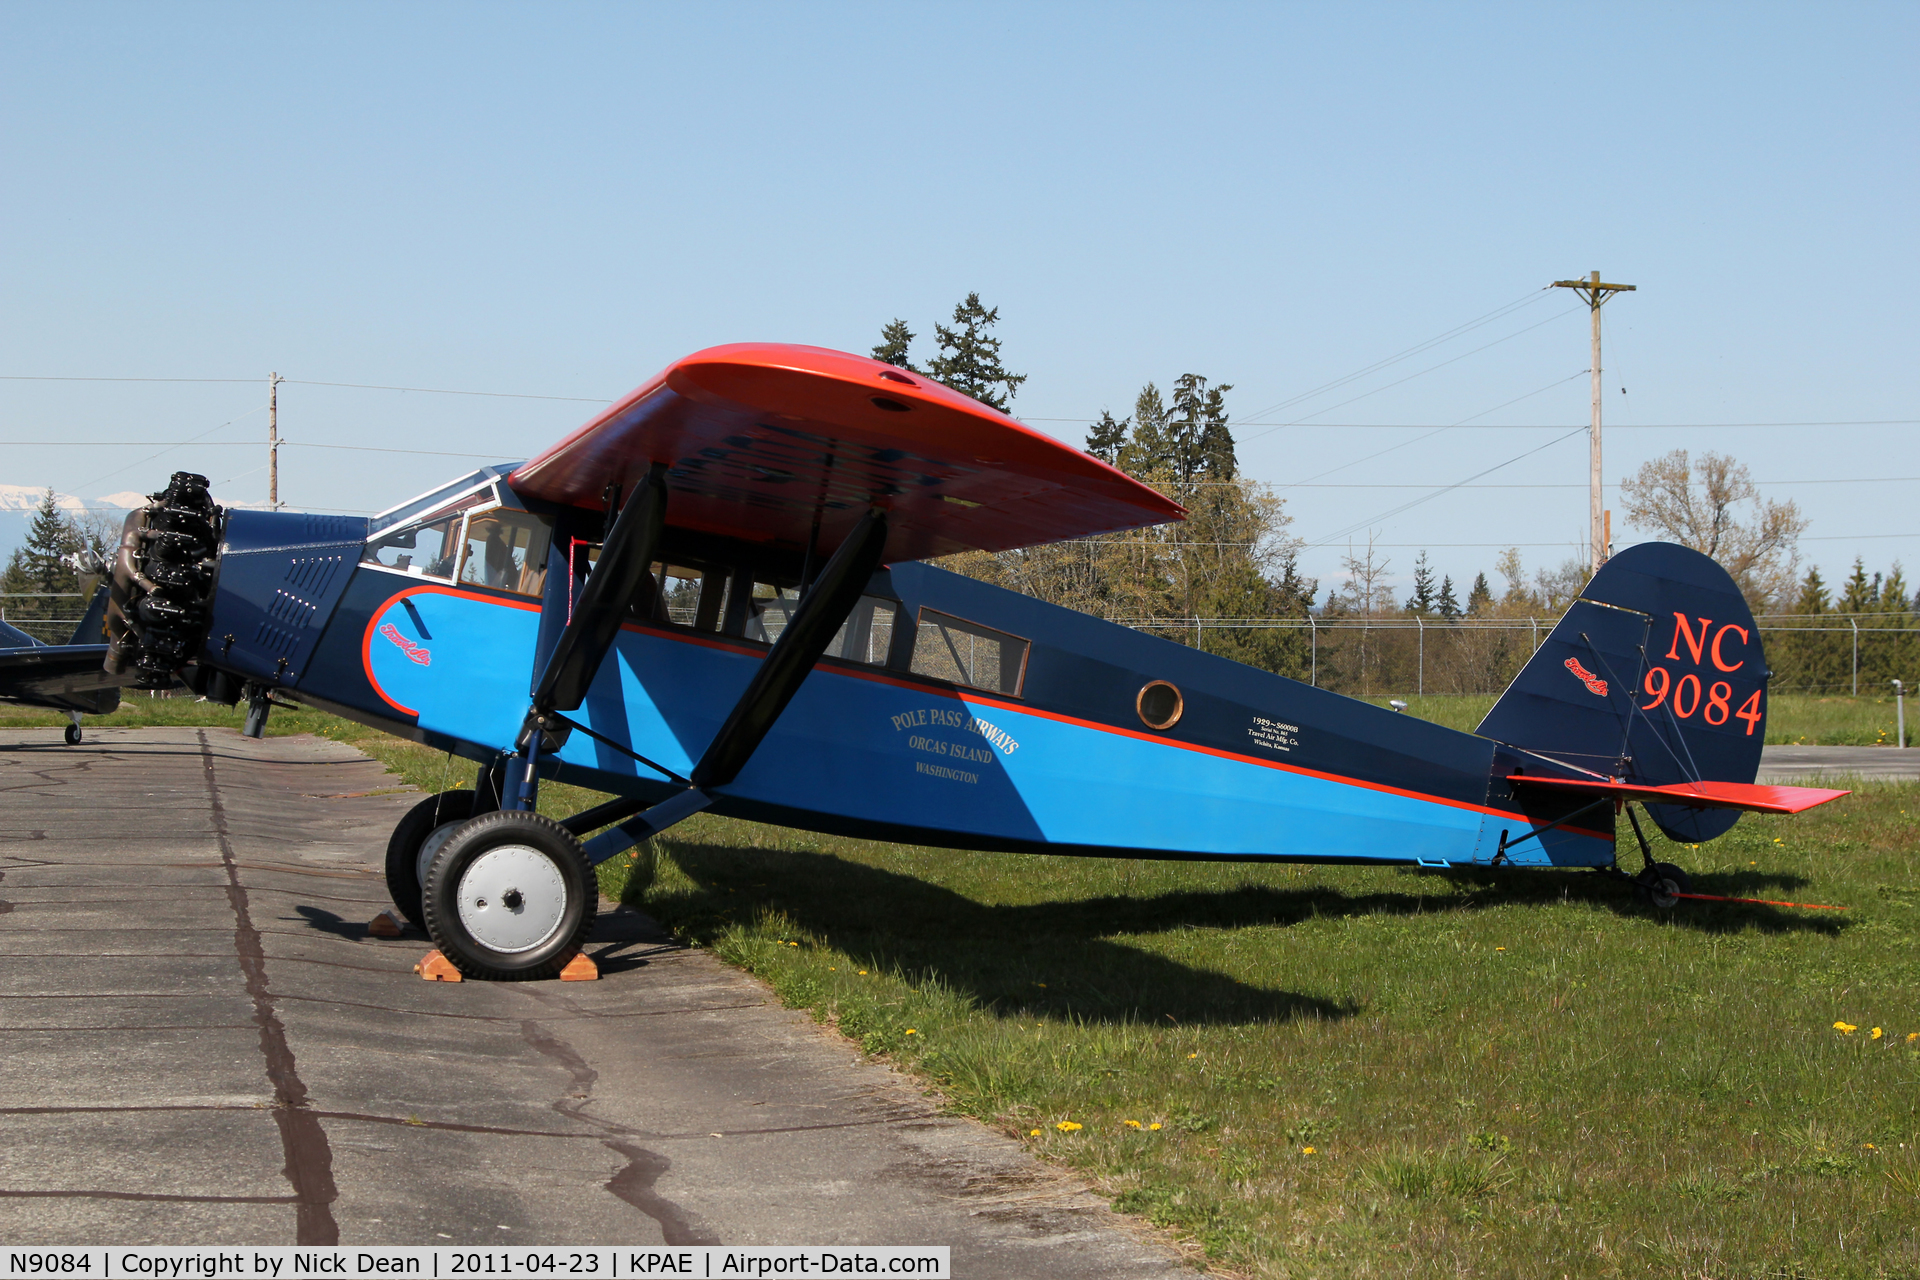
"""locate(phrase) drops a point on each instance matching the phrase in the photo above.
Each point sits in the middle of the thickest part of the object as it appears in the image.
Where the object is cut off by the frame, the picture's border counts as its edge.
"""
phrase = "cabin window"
(506, 550)
(962, 652)
(425, 550)
(863, 637)
(1159, 705)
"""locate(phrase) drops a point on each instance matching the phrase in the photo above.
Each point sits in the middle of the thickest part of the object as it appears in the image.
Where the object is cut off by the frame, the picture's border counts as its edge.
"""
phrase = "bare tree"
(1712, 506)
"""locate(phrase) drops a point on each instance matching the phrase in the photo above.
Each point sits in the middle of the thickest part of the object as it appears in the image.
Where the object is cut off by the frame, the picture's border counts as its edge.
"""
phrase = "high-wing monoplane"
(68, 677)
(714, 597)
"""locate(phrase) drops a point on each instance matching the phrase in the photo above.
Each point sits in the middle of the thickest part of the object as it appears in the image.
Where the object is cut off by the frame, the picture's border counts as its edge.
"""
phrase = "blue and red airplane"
(712, 597)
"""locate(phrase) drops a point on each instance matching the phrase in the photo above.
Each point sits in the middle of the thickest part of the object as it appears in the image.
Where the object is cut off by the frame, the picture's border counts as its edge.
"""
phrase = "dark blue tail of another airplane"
(1654, 675)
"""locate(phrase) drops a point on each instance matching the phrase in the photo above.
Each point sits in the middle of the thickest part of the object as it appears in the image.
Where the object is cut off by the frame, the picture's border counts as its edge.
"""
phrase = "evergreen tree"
(1480, 598)
(895, 342)
(1199, 439)
(969, 359)
(1446, 606)
(1421, 601)
(1150, 449)
(1859, 594)
(1813, 594)
(38, 568)
(1108, 437)
(1893, 594)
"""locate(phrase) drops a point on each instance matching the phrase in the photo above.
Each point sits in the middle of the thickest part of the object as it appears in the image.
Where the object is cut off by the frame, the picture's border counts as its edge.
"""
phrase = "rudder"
(1654, 675)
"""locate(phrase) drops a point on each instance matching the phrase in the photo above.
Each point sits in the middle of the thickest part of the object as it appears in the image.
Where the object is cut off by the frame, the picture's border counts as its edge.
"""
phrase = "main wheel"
(510, 895)
(73, 735)
(415, 840)
(1662, 884)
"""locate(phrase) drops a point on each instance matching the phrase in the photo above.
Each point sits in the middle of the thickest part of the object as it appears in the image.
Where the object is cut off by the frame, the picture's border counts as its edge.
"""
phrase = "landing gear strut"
(1660, 883)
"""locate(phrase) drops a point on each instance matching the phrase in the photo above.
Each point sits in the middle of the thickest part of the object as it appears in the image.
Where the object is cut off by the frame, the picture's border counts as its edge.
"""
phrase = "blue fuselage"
(1256, 767)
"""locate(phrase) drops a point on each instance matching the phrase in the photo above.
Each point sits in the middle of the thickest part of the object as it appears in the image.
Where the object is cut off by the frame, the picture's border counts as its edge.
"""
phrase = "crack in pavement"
(634, 1183)
(309, 1160)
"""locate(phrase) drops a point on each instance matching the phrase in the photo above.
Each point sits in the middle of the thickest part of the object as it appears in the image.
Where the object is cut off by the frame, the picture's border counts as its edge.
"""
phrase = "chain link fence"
(1370, 657)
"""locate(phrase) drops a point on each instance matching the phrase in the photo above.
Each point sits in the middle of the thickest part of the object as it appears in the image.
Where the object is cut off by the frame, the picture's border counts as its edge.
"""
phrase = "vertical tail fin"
(93, 623)
(1654, 675)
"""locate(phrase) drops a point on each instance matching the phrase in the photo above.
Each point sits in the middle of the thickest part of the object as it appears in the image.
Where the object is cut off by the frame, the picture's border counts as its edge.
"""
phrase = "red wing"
(762, 437)
(1751, 796)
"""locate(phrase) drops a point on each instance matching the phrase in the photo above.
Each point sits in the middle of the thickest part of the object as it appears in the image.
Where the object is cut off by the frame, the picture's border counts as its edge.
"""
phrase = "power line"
(1470, 425)
(445, 391)
(35, 377)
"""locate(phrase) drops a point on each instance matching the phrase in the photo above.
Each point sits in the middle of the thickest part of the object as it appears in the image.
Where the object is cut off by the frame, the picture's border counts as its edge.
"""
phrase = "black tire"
(403, 848)
(1661, 883)
(73, 735)
(535, 891)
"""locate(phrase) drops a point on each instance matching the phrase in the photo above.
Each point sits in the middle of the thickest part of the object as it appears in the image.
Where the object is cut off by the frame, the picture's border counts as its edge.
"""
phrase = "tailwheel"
(510, 895)
(415, 840)
(1662, 884)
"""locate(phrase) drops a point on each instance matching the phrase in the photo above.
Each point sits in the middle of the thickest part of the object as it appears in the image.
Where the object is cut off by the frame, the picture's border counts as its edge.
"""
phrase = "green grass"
(1377, 1072)
(1792, 718)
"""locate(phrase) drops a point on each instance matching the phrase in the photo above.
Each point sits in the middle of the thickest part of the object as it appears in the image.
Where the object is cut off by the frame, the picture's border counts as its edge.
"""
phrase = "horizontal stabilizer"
(1751, 796)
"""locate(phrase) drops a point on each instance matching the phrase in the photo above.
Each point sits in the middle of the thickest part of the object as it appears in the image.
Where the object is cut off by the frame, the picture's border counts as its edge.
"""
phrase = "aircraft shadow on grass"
(1002, 954)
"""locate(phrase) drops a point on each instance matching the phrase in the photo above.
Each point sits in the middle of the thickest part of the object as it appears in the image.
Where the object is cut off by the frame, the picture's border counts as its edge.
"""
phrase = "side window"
(426, 550)
(506, 550)
(962, 652)
(863, 637)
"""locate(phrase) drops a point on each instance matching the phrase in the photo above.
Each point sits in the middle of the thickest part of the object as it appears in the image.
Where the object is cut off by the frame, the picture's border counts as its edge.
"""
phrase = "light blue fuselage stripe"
(875, 751)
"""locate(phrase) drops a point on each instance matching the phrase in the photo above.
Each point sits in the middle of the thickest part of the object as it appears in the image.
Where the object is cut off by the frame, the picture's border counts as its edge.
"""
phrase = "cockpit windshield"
(428, 501)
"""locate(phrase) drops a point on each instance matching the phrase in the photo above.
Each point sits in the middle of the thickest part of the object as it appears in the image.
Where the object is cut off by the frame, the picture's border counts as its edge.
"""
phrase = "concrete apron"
(204, 1046)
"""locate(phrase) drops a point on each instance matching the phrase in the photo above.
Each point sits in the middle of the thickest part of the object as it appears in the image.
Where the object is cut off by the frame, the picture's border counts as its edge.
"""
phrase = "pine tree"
(38, 570)
(1858, 597)
(1446, 605)
(896, 340)
(1813, 594)
(1421, 601)
(1150, 449)
(1893, 594)
(1108, 437)
(969, 360)
(1198, 436)
(1480, 598)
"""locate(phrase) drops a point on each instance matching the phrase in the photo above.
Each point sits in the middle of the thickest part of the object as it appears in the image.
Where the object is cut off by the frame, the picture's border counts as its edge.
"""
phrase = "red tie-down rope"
(1765, 902)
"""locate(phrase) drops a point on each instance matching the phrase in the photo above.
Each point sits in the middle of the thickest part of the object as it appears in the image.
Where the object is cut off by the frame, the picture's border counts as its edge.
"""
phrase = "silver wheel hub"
(432, 845)
(512, 898)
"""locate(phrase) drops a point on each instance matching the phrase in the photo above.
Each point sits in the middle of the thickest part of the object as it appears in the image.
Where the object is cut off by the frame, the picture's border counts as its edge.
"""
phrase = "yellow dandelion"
(912, 1032)
(1194, 1054)
(1753, 864)
(1309, 1151)
(1068, 1126)
(1869, 1146)
(863, 973)
(1912, 1036)
(1033, 1133)
(793, 944)
(1845, 1028)
(1131, 1124)
(1875, 1034)
(1154, 1125)
(1499, 948)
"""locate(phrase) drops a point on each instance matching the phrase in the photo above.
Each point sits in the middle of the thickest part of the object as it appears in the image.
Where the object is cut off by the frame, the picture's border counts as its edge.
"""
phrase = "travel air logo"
(422, 656)
(1595, 685)
(1710, 650)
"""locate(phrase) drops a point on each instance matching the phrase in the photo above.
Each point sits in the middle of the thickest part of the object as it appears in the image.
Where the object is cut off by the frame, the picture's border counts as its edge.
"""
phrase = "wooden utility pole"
(273, 440)
(1594, 294)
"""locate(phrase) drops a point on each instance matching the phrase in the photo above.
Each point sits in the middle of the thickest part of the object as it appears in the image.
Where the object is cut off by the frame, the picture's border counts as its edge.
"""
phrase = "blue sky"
(559, 199)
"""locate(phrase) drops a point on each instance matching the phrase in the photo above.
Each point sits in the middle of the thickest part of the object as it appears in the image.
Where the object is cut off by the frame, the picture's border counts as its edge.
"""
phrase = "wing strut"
(624, 560)
(822, 612)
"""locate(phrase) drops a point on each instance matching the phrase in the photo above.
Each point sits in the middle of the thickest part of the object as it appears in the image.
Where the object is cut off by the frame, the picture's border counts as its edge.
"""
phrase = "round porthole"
(1159, 705)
